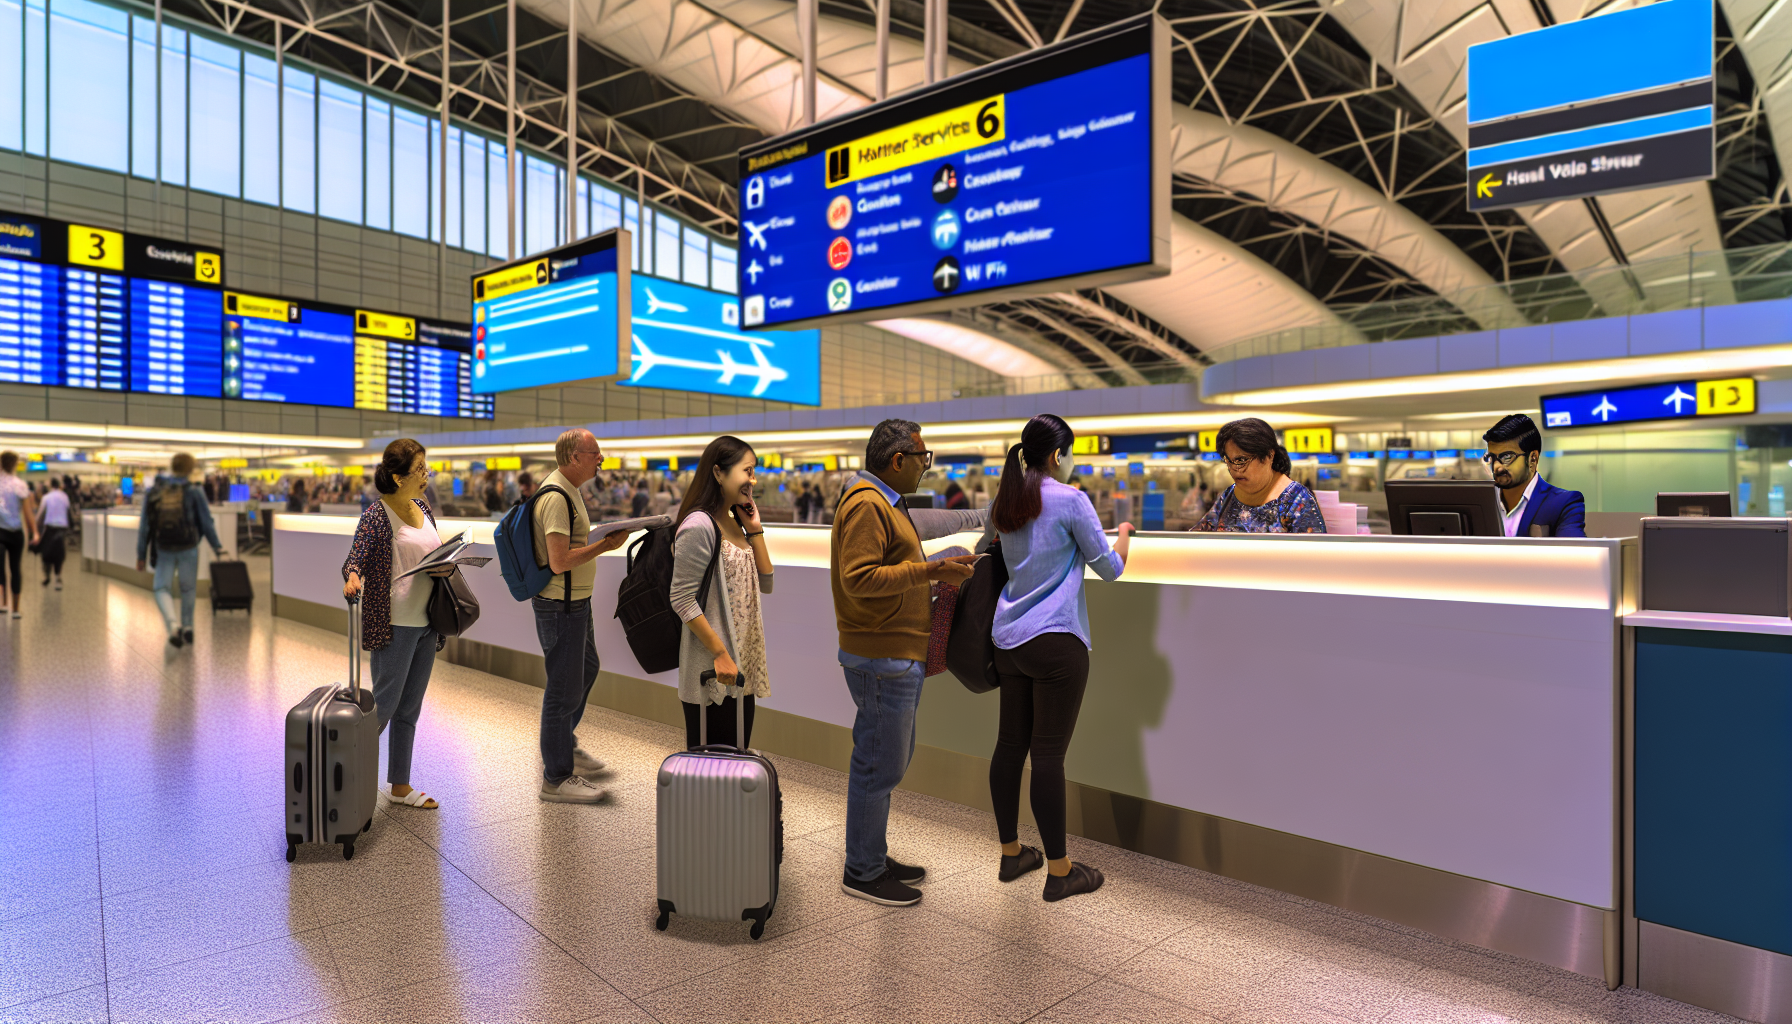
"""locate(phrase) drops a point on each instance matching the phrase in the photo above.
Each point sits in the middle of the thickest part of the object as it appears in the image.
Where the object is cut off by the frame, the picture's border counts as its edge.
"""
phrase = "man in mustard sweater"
(880, 579)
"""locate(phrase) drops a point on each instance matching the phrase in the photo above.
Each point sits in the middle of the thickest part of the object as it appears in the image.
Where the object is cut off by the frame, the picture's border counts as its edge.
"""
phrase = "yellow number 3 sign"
(1727, 397)
(95, 247)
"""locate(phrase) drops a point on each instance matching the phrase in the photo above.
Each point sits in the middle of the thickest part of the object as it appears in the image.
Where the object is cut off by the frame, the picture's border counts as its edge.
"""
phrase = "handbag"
(452, 607)
(971, 645)
(943, 602)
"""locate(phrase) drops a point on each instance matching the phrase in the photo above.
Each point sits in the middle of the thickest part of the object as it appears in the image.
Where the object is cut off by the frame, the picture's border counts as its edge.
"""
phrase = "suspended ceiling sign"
(553, 318)
(1043, 172)
(1607, 104)
(1674, 400)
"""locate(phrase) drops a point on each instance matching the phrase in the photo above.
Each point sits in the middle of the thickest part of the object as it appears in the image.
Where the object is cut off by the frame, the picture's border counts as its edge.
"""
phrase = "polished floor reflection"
(142, 878)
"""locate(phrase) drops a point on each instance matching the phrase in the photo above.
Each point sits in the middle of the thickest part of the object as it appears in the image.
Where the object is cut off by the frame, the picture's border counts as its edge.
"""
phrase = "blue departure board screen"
(31, 337)
(552, 318)
(176, 333)
(419, 367)
(1038, 173)
(281, 351)
(689, 339)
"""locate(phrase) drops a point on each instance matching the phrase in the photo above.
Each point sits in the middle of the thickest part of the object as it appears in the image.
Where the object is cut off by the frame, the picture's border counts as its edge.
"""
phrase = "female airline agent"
(1262, 499)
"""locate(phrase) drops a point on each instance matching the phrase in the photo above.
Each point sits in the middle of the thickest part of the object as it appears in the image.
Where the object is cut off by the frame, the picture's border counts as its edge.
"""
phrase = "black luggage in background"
(231, 588)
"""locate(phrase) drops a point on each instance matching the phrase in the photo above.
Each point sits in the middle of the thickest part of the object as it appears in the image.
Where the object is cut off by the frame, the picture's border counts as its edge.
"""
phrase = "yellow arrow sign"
(1484, 188)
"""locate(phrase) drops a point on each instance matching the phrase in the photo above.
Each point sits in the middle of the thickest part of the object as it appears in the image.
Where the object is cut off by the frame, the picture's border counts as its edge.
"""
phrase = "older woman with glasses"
(1262, 498)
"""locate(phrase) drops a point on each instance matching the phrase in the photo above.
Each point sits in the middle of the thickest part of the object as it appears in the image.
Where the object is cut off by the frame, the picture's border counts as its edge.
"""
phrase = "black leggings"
(721, 722)
(1042, 693)
(12, 543)
(53, 549)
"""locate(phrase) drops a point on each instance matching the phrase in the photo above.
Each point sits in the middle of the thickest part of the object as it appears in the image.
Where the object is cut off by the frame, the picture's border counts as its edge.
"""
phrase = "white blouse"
(410, 596)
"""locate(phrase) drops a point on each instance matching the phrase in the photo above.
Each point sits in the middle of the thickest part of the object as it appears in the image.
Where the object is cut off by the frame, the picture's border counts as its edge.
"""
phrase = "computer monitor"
(1445, 508)
(1708, 504)
(239, 492)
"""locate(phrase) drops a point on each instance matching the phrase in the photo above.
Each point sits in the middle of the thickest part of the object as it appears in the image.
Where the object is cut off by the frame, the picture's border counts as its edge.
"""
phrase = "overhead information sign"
(553, 318)
(1676, 400)
(1606, 104)
(1046, 171)
(689, 339)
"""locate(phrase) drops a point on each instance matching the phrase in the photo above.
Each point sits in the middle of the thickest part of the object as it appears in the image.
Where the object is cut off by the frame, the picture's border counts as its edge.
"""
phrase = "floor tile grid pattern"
(142, 878)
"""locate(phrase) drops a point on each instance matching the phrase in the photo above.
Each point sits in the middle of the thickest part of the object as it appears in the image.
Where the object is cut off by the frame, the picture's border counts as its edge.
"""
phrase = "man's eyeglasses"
(924, 455)
(1502, 458)
(588, 451)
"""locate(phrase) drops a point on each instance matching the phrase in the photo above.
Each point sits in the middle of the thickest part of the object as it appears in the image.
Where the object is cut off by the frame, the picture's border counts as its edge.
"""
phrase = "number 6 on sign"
(95, 247)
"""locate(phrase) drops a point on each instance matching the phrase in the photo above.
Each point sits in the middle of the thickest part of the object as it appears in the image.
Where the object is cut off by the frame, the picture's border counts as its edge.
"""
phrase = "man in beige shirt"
(563, 617)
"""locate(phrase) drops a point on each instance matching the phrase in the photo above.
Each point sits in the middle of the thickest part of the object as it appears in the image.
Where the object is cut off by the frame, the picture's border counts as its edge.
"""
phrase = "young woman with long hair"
(1049, 532)
(718, 522)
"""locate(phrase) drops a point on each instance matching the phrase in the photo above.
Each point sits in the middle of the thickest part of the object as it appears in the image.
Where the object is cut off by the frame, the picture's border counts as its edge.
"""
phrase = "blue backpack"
(515, 541)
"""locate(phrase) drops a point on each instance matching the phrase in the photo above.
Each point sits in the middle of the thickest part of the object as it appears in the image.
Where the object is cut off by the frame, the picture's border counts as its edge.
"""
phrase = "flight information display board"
(1042, 172)
(86, 307)
(555, 317)
(689, 339)
(420, 367)
(276, 350)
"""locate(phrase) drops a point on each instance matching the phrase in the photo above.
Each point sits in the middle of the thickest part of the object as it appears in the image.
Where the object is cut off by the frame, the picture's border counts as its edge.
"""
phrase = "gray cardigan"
(692, 547)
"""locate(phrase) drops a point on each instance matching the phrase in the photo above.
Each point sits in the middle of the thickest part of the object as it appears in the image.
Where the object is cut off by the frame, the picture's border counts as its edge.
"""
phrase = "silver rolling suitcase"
(333, 758)
(720, 830)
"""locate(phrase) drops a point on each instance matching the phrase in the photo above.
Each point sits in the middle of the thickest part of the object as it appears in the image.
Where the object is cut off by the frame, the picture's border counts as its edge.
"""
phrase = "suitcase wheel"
(758, 929)
(664, 919)
(368, 825)
(292, 853)
(348, 851)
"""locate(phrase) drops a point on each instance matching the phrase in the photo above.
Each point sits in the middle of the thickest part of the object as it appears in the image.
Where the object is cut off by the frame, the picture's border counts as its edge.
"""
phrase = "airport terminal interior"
(1215, 510)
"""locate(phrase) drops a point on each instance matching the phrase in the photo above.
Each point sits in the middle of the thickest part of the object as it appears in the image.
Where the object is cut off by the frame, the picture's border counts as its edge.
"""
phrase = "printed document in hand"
(602, 530)
(446, 554)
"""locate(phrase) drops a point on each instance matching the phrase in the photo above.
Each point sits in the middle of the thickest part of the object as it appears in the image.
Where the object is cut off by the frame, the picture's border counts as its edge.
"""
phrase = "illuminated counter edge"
(1362, 708)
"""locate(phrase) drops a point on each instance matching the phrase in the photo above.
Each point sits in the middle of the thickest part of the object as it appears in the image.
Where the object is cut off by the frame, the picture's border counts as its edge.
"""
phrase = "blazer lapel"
(1532, 507)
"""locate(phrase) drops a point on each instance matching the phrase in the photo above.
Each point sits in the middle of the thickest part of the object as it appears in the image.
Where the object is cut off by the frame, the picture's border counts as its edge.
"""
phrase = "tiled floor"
(142, 878)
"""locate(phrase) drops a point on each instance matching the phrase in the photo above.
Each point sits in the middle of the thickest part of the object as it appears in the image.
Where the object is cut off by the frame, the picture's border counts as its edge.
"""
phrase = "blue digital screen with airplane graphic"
(1671, 401)
(689, 339)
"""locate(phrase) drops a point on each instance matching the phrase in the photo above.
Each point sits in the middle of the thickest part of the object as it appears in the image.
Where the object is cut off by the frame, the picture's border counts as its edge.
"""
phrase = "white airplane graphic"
(655, 304)
(1605, 408)
(755, 232)
(646, 359)
(1676, 398)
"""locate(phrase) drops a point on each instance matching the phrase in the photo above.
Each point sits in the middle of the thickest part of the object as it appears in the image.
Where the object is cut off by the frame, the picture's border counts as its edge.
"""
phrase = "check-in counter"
(1709, 775)
(1419, 728)
(109, 543)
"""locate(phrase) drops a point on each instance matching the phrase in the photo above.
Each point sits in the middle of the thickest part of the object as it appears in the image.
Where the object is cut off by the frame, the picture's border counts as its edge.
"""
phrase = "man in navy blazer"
(1514, 447)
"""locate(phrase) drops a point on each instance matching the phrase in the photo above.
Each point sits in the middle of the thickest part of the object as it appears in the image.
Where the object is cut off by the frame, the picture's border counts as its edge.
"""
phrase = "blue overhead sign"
(1681, 399)
(556, 317)
(689, 339)
(1604, 104)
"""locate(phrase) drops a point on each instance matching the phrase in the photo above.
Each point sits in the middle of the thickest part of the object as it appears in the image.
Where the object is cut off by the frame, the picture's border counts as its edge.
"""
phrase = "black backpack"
(971, 646)
(171, 527)
(644, 601)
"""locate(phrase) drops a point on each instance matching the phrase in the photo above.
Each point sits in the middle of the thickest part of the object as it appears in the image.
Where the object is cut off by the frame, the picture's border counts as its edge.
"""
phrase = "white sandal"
(415, 798)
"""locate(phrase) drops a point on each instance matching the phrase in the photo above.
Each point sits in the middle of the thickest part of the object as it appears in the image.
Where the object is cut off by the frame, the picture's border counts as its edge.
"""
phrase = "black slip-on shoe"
(907, 874)
(1082, 878)
(187, 635)
(884, 890)
(174, 640)
(1028, 859)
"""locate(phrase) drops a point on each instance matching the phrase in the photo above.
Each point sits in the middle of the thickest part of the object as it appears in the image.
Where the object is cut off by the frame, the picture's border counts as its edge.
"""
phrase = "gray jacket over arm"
(692, 548)
(933, 523)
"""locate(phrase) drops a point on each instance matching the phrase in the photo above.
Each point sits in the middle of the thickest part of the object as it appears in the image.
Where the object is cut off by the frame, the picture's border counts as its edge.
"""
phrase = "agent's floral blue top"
(1295, 510)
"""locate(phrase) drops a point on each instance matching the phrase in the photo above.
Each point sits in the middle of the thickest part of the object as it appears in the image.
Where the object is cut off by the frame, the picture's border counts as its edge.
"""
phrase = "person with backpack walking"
(18, 528)
(394, 534)
(174, 519)
(720, 566)
(1049, 532)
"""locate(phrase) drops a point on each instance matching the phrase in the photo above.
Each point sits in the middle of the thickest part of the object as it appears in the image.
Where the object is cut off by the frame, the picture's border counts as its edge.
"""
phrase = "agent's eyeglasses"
(924, 455)
(1239, 463)
(1502, 459)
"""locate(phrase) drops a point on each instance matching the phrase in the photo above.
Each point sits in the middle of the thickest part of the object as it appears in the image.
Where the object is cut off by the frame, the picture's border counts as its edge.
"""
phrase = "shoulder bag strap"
(715, 555)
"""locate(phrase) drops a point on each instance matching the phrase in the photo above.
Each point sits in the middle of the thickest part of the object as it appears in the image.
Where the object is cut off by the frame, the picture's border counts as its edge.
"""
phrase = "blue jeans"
(569, 645)
(168, 563)
(400, 677)
(887, 692)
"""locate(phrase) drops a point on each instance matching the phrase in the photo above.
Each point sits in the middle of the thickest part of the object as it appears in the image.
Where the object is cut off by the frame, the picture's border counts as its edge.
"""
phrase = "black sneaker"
(1029, 859)
(1082, 878)
(187, 635)
(174, 639)
(884, 890)
(907, 874)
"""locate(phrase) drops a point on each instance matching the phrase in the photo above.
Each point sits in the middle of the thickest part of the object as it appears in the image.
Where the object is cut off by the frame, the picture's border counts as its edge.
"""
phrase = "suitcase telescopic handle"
(354, 646)
(740, 714)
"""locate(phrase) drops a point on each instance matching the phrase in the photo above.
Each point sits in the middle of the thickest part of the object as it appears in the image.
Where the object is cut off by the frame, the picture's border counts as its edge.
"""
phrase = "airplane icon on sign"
(755, 232)
(1677, 397)
(655, 304)
(1604, 409)
(753, 271)
(761, 369)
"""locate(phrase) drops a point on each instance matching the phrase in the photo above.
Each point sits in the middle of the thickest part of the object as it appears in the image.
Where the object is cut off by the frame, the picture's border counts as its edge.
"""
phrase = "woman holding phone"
(718, 525)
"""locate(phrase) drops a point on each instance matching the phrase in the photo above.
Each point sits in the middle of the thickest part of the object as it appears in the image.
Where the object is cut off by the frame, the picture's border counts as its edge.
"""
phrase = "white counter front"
(109, 536)
(1442, 702)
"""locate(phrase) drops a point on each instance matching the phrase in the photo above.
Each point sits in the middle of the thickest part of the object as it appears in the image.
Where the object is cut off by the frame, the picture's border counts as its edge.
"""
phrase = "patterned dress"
(740, 573)
(1295, 510)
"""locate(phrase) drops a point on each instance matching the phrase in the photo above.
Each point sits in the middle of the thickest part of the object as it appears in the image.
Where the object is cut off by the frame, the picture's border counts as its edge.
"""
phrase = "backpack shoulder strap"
(571, 515)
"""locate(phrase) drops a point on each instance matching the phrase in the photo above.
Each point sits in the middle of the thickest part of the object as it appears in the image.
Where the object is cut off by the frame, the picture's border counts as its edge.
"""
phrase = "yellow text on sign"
(1089, 444)
(95, 247)
(1208, 440)
(257, 306)
(510, 280)
(1313, 440)
(233, 463)
(1727, 397)
(208, 268)
(504, 462)
(928, 138)
(385, 325)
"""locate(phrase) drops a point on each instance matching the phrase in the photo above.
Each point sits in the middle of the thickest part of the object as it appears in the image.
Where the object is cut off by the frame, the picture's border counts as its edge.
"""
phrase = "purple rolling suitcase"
(333, 758)
(720, 830)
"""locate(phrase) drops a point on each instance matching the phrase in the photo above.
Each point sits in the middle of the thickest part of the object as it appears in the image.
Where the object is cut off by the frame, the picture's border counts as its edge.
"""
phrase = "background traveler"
(1049, 532)
(642, 501)
(1514, 448)
(52, 528)
(18, 528)
(295, 497)
(1262, 499)
(881, 604)
(726, 633)
(174, 519)
(392, 537)
(563, 618)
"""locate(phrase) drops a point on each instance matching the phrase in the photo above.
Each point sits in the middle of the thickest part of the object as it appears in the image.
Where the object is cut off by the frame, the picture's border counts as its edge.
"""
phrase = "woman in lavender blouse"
(1049, 532)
